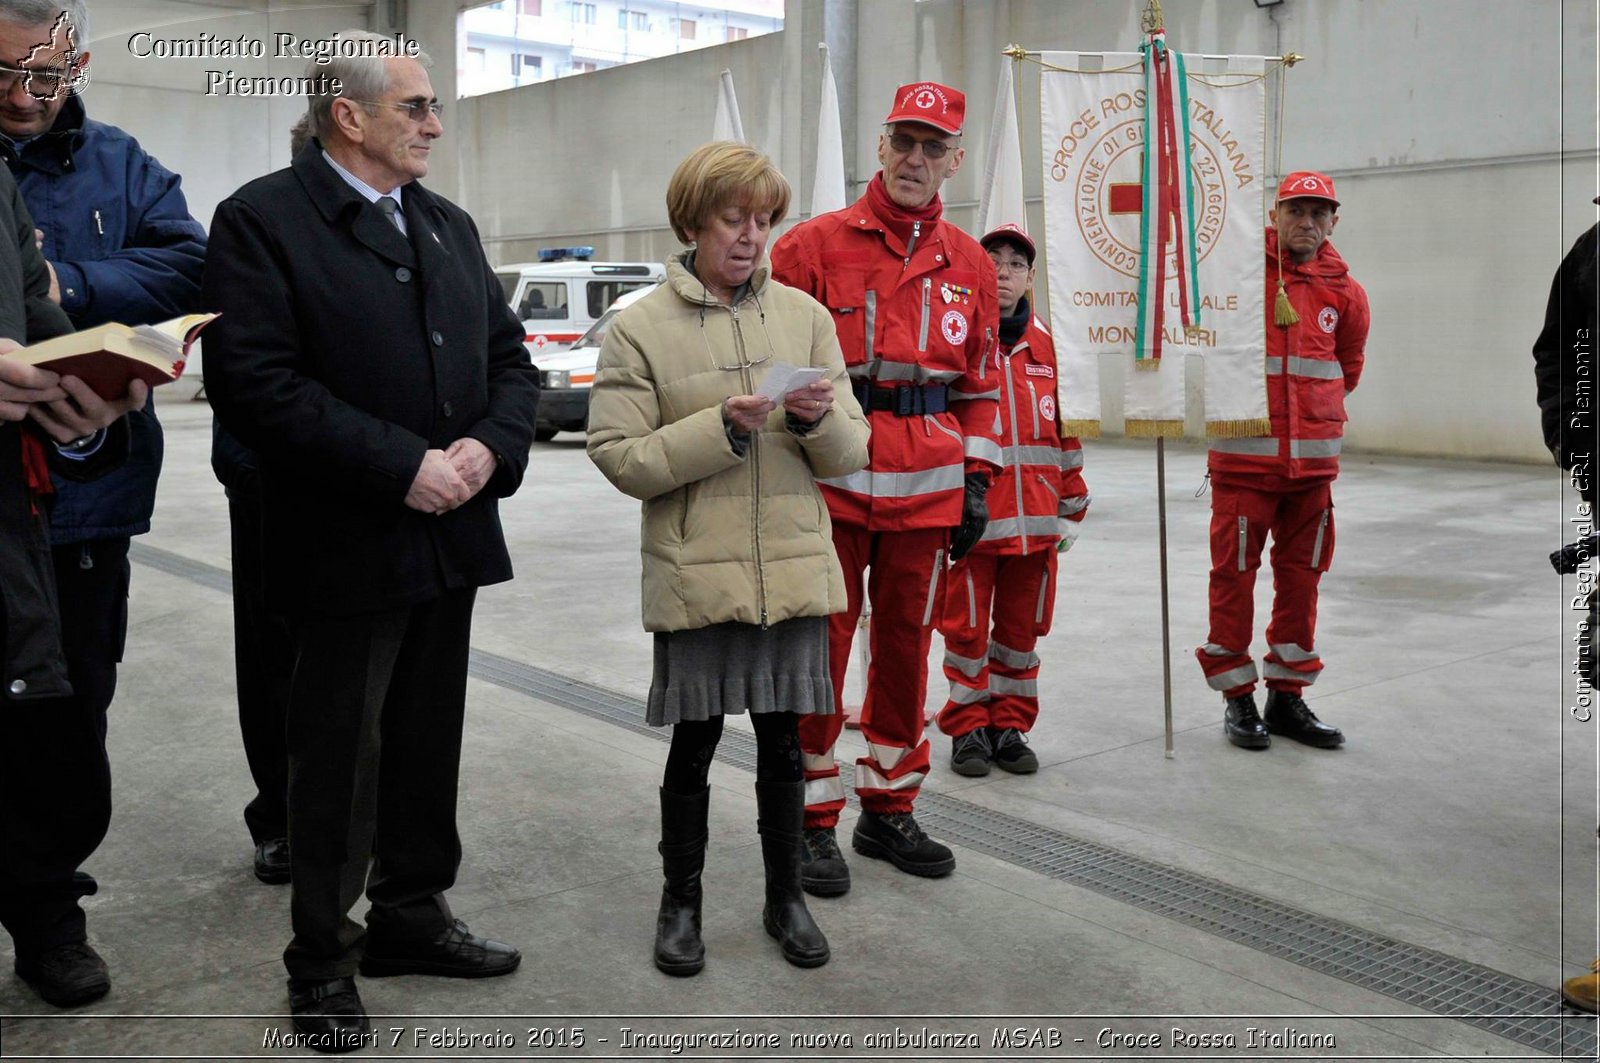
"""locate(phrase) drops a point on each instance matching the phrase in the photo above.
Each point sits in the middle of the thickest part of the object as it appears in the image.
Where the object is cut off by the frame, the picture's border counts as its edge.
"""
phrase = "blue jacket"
(125, 248)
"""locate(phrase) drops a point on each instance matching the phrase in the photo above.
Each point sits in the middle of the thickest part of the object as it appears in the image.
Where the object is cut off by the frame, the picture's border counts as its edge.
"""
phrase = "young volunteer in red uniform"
(913, 299)
(1035, 503)
(1283, 484)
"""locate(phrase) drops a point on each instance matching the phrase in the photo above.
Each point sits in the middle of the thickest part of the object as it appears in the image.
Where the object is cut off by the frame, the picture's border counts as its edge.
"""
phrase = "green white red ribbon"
(1166, 215)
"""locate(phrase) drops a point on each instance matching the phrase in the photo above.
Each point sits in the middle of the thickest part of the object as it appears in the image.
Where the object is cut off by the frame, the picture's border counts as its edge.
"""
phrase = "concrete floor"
(1460, 816)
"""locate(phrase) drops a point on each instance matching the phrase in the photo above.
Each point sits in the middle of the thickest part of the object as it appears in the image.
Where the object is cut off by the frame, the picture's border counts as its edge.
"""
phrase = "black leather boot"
(1289, 716)
(779, 809)
(679, 950)
(1242, 723)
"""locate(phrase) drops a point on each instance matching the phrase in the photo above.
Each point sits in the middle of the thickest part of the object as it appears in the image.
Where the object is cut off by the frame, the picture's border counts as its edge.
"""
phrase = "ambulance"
(566, 377)
(559, 297)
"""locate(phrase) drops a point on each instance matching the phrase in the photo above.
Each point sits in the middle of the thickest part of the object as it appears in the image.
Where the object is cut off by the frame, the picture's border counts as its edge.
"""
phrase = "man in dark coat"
(55, 783)
(366, 354)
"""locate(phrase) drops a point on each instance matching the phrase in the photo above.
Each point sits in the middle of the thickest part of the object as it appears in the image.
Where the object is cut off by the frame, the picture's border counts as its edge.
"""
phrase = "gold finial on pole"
(1150, 20)
(1292, 58)
(1016, 51)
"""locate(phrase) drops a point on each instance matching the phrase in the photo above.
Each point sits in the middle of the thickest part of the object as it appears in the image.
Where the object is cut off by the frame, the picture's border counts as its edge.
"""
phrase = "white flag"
(1001, 199)
(827, 186)
(727, 125)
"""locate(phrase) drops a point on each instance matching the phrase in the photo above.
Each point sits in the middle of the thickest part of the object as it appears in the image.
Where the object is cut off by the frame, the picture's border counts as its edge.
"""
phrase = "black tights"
(694, 743)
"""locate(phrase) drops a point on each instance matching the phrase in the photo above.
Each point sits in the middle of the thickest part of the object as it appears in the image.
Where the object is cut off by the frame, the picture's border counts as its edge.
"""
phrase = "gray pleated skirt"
(734, 668)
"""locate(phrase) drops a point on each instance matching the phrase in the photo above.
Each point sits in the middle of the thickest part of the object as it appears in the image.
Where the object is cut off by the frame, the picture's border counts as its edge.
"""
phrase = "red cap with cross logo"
(930, 103)
(1010, 233)
(1307, 184)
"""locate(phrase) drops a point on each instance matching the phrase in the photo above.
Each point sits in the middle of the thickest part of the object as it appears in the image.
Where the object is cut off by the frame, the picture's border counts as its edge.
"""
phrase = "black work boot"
(66, 975)
(679, 950)
(1288, 715)
(780, 808)
(895, 837)
(1243, 723)
(823, 872)
(971, 753)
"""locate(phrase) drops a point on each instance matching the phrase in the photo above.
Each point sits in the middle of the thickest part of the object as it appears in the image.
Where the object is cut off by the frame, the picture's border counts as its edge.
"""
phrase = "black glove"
(974, 517)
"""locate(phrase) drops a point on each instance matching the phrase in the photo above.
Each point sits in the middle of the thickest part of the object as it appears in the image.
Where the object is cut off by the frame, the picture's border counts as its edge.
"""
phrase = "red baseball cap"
(1307, 184)
(1012, 233)
(931, 104)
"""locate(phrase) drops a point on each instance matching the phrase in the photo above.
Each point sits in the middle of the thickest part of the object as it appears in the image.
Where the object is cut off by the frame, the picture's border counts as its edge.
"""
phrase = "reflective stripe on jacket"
(1310, 367)
(927, 313)
(1041, 478)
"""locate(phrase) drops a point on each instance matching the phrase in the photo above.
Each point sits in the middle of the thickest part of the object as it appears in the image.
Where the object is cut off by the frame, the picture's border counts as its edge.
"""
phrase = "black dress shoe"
(328, 1014)
(272, 861)
(1288, 715)
(66, 975)
(454, 952)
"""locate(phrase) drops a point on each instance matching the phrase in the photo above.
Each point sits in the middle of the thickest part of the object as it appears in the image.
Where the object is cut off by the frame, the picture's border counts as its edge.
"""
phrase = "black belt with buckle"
(912, 400)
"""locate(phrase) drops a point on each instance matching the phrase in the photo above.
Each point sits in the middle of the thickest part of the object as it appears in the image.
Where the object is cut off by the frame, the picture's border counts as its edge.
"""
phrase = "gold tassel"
(1152, 429)
(1147, 365)
(1282, 313)
(1245, 428)
(1084, 429)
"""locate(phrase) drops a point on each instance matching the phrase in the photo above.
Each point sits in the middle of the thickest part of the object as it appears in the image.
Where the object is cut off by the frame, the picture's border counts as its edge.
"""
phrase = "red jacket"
(918, 315)
(1042, 475)
(1311, 366)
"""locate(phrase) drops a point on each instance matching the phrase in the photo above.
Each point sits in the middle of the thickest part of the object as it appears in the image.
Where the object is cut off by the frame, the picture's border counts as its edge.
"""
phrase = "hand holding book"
(108, 358)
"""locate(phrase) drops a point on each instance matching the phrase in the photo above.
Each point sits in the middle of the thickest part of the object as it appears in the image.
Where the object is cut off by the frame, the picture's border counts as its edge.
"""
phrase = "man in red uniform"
(1035, 504)
(1282, 485)
(913, 299)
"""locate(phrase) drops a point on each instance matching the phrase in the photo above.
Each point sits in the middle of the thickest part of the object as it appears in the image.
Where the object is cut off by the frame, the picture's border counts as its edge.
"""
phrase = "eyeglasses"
(43, 86)
(932, 150)
(744, 360)
(417, 110)
(1003, 268)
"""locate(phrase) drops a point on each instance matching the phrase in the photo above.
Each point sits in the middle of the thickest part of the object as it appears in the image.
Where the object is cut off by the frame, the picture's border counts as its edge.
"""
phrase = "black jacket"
(1564, 357)
(32, 664)
(345, 351)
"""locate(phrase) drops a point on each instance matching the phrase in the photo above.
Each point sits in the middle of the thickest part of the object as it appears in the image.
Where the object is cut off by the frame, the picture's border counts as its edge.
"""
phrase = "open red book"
(108, 357)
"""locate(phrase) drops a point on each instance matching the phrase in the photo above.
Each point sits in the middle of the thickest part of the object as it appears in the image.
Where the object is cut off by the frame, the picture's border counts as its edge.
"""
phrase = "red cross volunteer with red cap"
(1001, 597)
(913, 299)
(1283, 485)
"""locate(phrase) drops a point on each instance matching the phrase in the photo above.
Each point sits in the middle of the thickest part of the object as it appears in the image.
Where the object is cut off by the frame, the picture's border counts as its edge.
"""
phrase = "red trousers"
(994, 677)
(1301, 526)
(907, 569)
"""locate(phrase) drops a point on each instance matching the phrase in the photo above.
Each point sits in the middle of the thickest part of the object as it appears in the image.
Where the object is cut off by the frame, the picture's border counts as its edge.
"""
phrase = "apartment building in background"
(518, 42)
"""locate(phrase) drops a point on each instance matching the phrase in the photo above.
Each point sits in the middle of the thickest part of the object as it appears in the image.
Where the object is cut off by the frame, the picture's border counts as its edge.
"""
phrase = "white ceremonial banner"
(1092, 127)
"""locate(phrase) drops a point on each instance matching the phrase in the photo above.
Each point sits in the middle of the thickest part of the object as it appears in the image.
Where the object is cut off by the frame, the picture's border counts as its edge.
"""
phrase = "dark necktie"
(391, 210)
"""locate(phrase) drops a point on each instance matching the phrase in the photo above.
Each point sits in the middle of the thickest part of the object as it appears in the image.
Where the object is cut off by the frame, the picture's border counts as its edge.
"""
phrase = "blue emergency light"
(561, 254)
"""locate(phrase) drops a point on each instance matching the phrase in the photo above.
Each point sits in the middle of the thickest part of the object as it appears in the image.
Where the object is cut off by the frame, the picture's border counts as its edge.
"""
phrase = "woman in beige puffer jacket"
(739, 567)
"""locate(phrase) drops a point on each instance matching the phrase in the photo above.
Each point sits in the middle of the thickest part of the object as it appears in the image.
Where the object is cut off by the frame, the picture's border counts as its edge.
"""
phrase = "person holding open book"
(55, 783)
(739, 569)
(366, 353)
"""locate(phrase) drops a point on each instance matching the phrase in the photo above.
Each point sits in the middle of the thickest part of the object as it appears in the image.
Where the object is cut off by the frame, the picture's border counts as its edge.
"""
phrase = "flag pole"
(1166, 625)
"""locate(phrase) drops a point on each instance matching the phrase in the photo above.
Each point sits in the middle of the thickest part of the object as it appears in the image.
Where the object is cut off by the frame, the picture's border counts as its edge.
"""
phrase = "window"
(737, 33)
(526, 67)
(603, 293)
(543, 301)
(632, 20)
(477, 59)
(584, 68)
(584, 13)
(686, 28)
(534, 8)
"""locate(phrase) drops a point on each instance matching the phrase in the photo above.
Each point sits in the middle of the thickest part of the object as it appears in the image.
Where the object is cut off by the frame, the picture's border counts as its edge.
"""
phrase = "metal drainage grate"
(1518, 1010)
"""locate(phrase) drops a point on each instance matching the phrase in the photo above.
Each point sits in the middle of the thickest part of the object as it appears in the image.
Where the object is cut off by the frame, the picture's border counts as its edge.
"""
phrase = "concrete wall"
(218, 142)
(1445, 125)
